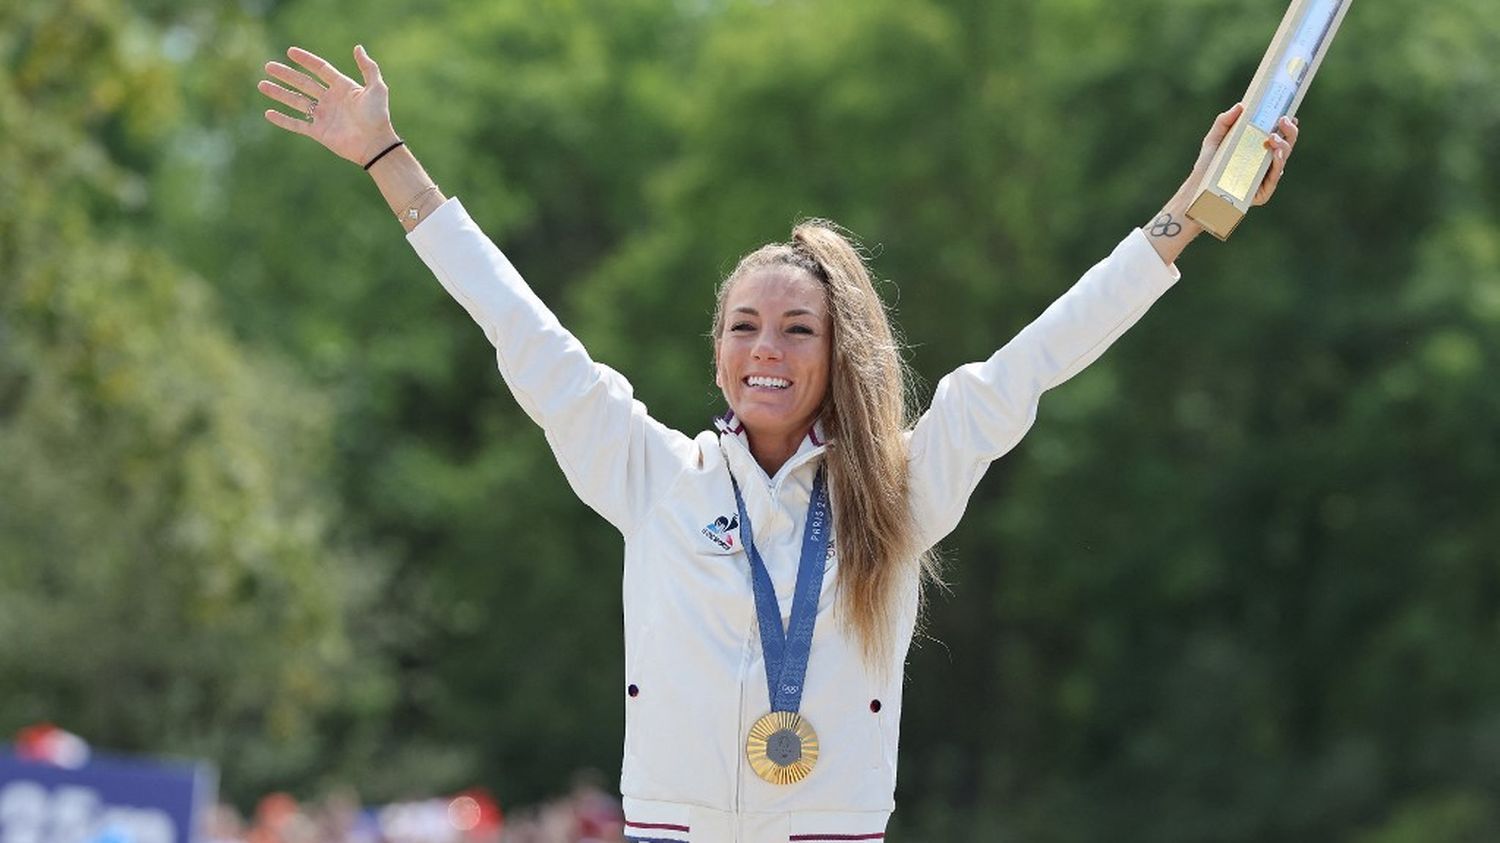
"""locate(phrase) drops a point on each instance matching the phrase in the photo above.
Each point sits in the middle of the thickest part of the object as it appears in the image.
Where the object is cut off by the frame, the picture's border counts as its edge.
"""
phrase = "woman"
(773, 566)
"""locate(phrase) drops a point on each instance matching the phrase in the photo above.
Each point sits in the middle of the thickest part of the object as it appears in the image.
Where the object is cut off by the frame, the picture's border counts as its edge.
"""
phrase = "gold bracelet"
(413, 207)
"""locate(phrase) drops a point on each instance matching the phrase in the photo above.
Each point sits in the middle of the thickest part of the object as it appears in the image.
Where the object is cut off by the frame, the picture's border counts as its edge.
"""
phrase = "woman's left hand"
(1171, 230)
(1280, 143)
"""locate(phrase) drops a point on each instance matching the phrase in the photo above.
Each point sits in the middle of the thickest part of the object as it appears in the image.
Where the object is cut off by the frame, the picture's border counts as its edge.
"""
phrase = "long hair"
(864, 414)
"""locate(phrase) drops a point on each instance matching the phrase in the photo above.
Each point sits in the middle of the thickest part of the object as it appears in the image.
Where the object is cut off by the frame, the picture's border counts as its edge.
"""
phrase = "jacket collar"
(735, 442)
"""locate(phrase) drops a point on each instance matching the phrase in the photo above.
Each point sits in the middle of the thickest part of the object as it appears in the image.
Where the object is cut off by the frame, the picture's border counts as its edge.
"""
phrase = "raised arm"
(616, 457)
(981, 410)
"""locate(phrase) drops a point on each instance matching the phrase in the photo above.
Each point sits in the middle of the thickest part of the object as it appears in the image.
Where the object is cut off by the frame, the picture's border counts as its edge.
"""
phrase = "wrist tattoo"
(1165, 226)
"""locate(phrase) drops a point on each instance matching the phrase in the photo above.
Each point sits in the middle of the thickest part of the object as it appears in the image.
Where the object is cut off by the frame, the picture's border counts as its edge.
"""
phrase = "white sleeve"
(981, 410)
(616, 457)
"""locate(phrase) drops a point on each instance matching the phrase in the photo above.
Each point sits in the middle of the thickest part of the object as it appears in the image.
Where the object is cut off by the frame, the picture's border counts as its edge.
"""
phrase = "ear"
(718, 372)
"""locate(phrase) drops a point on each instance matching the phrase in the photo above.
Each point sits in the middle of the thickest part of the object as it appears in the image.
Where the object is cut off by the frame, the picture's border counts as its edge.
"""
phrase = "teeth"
(776, 383)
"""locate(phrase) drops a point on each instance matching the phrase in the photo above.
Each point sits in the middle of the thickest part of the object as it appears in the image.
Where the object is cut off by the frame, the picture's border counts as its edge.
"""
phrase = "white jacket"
(693, 663)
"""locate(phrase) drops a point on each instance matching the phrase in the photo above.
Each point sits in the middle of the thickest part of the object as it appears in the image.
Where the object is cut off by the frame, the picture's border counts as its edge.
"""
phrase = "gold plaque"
(1243, 169)
(782, 747)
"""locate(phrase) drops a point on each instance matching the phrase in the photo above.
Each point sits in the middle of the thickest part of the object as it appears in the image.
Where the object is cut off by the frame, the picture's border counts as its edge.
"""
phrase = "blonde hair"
(864, 414)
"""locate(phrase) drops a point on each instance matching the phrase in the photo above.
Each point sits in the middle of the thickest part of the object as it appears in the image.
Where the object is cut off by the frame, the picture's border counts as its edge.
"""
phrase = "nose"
(765, 347)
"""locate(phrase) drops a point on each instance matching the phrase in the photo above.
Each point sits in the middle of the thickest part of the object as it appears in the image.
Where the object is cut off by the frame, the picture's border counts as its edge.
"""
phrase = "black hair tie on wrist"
(383, 152)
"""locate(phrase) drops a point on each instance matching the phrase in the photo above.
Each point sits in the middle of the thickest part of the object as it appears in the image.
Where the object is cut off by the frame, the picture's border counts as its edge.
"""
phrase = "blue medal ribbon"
(786, 651)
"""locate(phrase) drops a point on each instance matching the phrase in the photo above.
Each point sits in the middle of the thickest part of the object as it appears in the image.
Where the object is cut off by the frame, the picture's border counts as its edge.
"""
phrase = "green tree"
(171, 579)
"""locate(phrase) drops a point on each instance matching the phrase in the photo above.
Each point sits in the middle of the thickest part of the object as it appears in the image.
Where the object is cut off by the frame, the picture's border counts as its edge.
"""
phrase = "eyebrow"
(796, 311)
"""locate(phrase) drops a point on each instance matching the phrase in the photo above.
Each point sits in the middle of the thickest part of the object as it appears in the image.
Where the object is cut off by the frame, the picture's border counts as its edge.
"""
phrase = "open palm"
(352, 120)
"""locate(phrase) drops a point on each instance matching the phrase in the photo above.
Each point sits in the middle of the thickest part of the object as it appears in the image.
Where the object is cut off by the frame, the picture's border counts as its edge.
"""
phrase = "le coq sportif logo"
(721, 531)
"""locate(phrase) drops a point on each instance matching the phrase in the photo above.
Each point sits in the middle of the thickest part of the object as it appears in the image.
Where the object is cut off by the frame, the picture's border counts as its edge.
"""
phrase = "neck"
(772, 451)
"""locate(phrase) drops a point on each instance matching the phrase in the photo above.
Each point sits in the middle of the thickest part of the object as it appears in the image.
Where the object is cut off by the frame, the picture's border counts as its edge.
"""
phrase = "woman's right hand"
(352, 120)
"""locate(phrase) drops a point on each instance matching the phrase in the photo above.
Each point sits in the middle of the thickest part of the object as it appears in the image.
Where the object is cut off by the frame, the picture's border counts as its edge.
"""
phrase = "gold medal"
(782, 747)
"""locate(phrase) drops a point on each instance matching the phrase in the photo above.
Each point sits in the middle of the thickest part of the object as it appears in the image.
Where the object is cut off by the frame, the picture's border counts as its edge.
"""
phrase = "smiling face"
(773, 351)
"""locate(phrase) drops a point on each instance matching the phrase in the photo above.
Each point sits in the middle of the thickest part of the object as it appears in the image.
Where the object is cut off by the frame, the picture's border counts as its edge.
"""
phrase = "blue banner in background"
(109, 800)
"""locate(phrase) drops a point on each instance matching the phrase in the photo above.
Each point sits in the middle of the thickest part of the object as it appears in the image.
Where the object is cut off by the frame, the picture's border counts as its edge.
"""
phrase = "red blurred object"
(481, 816)
(276, 817)
(275, 810)
(48, 744)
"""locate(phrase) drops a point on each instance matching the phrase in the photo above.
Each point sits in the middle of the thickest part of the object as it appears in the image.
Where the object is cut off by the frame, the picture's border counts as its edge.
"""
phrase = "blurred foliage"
(263, 498)
(172, 578)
